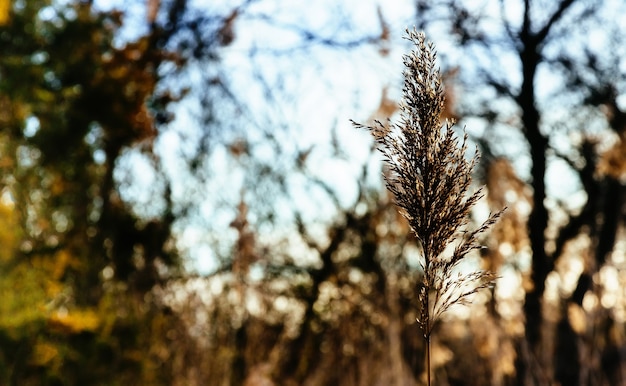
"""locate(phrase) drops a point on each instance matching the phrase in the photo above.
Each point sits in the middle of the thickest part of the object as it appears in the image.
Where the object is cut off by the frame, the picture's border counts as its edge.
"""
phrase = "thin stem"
(426, 332)
(428, 359)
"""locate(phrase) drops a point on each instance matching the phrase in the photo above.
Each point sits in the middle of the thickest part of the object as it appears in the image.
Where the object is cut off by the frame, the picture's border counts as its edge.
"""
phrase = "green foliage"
(22, 310)
(76, 263)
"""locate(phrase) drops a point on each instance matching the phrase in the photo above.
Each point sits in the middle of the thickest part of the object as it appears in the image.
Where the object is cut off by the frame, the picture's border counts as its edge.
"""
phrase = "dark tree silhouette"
(538, 38)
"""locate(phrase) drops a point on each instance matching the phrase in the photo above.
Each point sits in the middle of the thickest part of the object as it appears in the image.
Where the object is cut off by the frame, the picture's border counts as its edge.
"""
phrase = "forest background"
(184, 201)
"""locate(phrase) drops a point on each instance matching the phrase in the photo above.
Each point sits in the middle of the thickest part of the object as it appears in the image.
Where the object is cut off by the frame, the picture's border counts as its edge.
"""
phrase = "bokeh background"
(183, 200)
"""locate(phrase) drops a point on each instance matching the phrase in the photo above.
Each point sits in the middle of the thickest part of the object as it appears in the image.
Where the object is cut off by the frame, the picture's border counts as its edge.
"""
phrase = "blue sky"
(332, 85)
(314, 91)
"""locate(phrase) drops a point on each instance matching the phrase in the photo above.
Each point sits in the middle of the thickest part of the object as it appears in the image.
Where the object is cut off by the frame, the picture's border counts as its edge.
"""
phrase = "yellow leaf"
(43, 353)
(5, 8)
(75, 321)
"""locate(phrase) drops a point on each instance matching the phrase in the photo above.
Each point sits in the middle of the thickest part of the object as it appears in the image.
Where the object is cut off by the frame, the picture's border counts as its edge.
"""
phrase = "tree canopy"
(138, 143)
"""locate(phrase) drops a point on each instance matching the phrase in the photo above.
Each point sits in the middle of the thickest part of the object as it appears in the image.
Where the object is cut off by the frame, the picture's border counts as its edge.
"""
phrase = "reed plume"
(430, 178)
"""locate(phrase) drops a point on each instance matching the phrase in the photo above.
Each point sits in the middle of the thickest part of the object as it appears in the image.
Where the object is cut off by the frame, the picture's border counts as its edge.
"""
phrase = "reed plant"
(430, 177)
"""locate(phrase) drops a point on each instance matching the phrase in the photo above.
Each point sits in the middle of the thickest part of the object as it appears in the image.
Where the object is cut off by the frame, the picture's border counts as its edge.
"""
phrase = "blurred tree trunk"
(531, 44)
